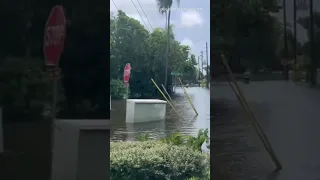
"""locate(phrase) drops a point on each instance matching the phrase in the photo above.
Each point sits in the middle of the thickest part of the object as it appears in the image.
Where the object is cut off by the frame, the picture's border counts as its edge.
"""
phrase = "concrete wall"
(26, 143)
(145, 110)
(81, 150)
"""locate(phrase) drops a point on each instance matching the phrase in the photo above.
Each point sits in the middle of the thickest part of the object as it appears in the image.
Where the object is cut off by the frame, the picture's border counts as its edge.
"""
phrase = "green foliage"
(155, 160)
(178, 139)
(300, 72)
(143, 137)
(247, 31)
(175, 139)
(84, 61)
(196, 142)
(24, 89)
(305, 23)
(146, 52)
(117, 89)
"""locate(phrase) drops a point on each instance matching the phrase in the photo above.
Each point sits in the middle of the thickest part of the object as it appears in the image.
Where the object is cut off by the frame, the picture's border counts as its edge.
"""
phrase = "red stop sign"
(54, 35)
(126, 73)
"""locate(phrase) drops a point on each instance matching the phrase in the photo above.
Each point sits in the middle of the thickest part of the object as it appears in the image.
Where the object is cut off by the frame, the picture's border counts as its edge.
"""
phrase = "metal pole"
(127, 91)
(167, 50)
(188, 98)
(313, 66)
(54, 97)
(284, 9)
(295, 31)
(164, 89)
(207, 66)
(199, 68)
(165, 97)
(241, 98)
(201, 63)
(54, 105)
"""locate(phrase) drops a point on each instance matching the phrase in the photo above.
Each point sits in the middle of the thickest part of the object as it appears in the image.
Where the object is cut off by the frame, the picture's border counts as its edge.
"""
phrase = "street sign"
(53, 44)
(54, 36)
(126, 77)
(176, 74)
(126, 73)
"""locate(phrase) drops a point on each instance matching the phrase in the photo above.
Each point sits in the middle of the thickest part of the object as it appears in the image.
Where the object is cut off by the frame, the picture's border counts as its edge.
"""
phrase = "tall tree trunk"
(166, 19)
(313, 67)
(286, 68)
(167, 51)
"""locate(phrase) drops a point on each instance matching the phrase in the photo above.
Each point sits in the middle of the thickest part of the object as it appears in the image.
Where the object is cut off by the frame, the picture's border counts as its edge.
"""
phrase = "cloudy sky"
(191, 20)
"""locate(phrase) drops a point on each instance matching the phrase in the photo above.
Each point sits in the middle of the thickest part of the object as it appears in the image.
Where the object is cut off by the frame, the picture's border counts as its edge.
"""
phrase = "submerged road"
(186, 122)
(290, 116)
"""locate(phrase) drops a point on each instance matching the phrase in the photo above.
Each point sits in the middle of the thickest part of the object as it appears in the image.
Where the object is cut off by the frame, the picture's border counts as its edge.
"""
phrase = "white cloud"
(190, 18)
(187, 41)
(149, 7)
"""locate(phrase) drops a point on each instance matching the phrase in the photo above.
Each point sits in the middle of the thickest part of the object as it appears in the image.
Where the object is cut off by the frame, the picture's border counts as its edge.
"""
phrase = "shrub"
(24, 89)
(117, 90)
(155, 160)
(193, 142)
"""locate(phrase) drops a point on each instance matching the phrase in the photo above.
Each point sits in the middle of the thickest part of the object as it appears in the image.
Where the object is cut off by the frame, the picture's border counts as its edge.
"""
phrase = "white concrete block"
(81, 149)
(145, 110)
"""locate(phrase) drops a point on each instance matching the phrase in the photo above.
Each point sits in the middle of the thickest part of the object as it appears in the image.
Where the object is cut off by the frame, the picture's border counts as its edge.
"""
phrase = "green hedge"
(155, 160)
(117, 89)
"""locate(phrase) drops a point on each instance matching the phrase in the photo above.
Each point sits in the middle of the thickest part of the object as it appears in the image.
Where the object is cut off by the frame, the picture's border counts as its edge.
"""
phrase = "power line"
(140, 15)
(115, 5)
(145, 14)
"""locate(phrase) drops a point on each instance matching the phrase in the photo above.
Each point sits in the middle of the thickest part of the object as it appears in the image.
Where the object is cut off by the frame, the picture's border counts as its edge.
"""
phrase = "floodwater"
(186, 122)
(289, 115)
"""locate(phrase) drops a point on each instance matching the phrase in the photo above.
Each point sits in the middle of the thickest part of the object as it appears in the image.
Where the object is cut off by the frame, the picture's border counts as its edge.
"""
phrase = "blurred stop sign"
(54, 35)
(126, 73)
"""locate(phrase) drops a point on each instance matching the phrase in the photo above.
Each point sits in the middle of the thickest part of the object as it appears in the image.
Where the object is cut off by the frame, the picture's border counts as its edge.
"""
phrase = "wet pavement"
(185, 123)
(290, 116)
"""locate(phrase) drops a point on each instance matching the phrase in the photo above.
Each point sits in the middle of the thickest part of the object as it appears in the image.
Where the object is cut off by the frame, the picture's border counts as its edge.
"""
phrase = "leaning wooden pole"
(251, 116)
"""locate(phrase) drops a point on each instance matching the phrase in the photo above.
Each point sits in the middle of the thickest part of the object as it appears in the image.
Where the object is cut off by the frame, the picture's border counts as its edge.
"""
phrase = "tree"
(84, 62)
(305, 23)
(132, 43)
(246, 31)
(165, 7)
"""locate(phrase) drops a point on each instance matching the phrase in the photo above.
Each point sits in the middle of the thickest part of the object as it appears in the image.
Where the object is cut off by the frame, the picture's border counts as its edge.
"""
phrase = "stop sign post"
(54, 36)
(126, 77)
(53, 44)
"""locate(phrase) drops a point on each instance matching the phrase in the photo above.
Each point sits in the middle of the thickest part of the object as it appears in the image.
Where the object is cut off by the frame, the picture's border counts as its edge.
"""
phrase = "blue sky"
(191, 21)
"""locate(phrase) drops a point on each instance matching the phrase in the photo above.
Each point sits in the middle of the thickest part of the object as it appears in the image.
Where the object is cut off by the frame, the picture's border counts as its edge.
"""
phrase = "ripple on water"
(237, 151)
(186, 122)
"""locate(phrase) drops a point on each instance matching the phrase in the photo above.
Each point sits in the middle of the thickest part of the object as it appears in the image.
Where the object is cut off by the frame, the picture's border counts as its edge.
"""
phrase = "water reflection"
(186, 122)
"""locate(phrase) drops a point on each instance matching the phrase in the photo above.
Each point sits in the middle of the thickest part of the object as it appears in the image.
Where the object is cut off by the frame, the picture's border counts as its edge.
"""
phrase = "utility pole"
(285, 65)
(295, 31)
(198, 68)
(313, 67)
(208, 77)
(201, 64)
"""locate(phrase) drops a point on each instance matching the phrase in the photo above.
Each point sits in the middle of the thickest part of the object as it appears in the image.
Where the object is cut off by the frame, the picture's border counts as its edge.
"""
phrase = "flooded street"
(186, 123)
(289, 115)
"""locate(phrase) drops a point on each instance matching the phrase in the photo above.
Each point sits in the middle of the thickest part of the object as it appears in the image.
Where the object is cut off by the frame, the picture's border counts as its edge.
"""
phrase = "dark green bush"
(117, 89)
(155, 160)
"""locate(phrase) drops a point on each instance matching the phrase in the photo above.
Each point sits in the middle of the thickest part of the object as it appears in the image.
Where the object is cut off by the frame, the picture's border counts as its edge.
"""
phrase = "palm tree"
(165, 8)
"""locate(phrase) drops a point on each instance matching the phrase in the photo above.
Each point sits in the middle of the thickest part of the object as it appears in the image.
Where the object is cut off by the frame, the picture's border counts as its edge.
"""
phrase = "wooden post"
(250, 114)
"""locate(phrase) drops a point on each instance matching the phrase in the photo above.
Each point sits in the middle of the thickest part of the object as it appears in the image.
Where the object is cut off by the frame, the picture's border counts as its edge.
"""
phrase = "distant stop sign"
(54, 35)
(126, 73)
